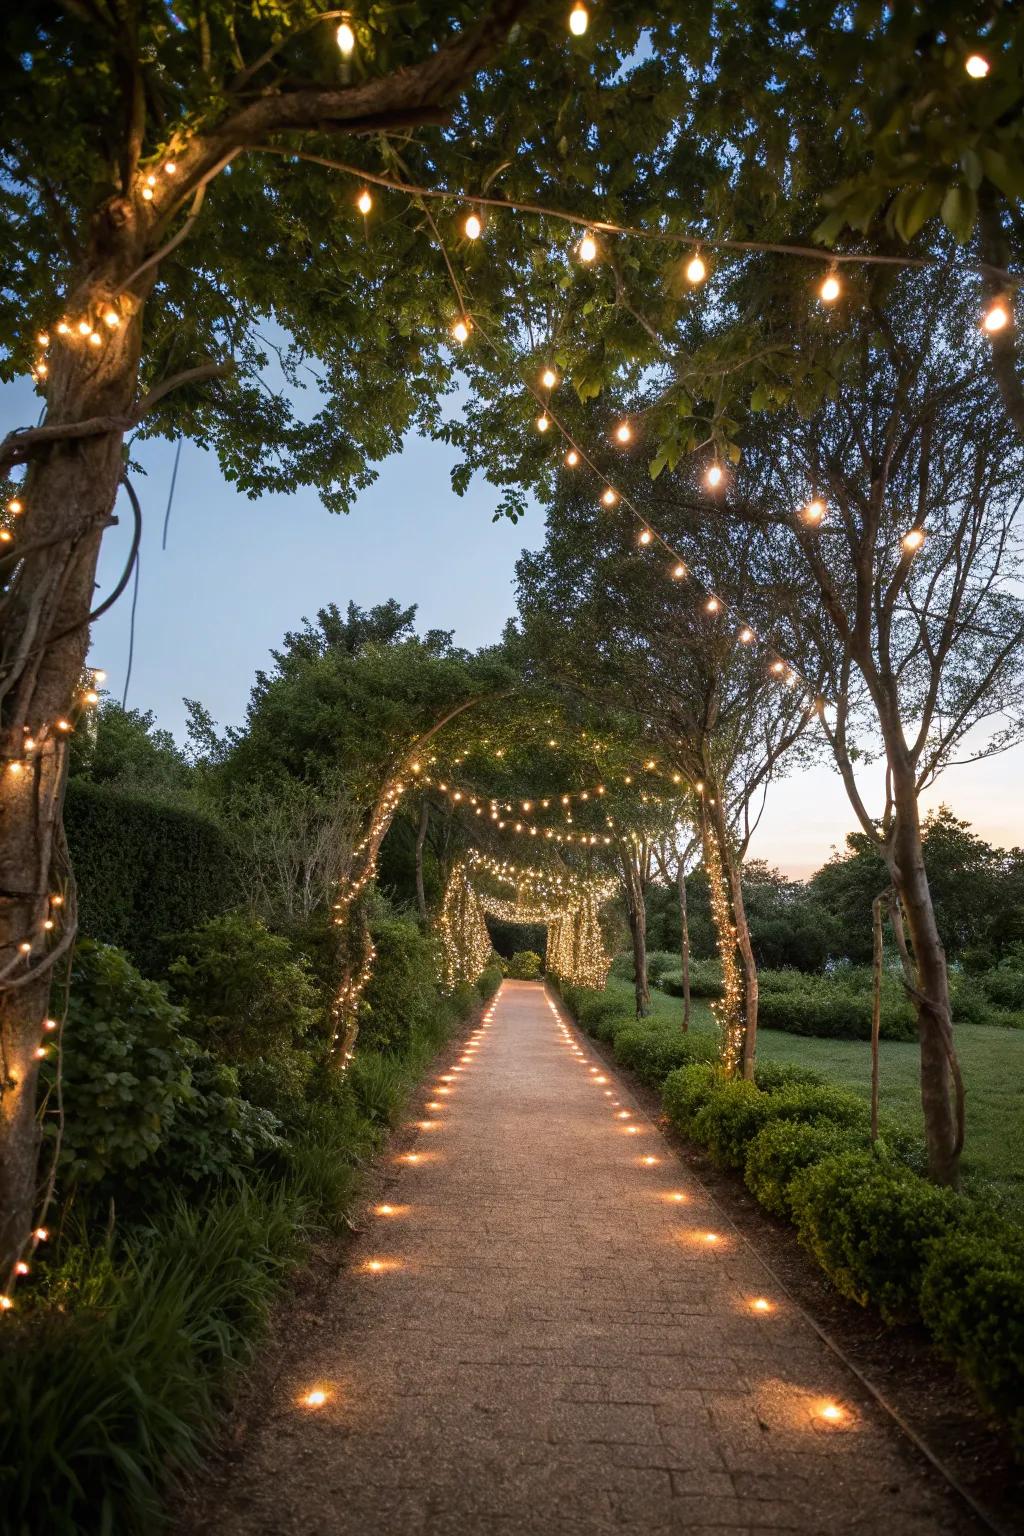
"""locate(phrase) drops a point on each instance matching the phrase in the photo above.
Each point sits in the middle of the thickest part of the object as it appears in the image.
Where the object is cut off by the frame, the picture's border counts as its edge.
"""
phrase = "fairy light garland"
(728, 1009)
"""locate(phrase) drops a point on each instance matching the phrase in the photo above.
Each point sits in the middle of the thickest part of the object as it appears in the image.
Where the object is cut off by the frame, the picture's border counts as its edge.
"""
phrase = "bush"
(972, 1301)
(145, 1108)
(837, 1006)
(870, 1226)
(686, 1091)
(736, 1111)
(773, 1075)
(402, 994)
(705, 979)
(1003, 987)
(782, 1148)
(525, 965)
(488, 982)
(653, 1051)
(144, 869)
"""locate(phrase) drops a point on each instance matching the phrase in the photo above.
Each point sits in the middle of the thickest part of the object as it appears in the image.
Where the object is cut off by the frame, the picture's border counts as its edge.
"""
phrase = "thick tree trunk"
(941, 1085)
(68, 495)
(421, 838)
(684, 943)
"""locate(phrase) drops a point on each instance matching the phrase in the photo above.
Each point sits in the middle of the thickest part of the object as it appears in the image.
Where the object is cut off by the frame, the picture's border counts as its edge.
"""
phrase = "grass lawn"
(993, 1066)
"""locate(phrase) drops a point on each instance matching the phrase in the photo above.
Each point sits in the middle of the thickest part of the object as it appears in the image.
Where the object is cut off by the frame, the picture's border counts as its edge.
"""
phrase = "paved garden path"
(548, 1328)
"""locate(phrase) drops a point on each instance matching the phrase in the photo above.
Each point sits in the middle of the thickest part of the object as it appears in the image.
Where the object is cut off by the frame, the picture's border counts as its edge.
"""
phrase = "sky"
(237, 574)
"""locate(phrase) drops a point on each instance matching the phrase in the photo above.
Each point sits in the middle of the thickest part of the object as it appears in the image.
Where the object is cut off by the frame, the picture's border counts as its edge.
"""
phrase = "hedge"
(144, 870)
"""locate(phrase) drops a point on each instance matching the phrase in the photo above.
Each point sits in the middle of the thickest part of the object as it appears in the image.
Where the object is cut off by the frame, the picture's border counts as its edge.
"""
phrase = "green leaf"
(959, 211)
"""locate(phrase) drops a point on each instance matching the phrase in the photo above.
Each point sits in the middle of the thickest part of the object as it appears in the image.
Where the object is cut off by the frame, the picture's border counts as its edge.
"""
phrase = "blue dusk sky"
(237, 573)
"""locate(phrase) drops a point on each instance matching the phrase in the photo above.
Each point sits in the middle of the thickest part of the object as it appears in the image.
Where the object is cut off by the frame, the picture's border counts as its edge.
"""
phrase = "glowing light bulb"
(711, 1237)
(50, 1024)
(84, 327)
(473, 228)
(543, 422)
(572, 458)
(5, 1303)
(646, 536)
(41, 370)
(43, 339)
(579, 19)
(41, 1234)
(364, 202)
(761, 1305)
(21, 1268)
(830, 289)
(346, 39)
(461, 329)
(587, 248)
(977, 66)
(609, 497)
(746, 635)
(814, 512)
(147, 193)
(649, 1161)
(714, 475)
(696, 271)
(679, 571)
(63, 725)
(996, 318)
(549, 378)
(95, 338)
(15, 506)
(316, 1398)
(112, 318)
(170, 169)
(913, 540)
(63, 329)
(623, 432)
(712, 605)
(832, 1413)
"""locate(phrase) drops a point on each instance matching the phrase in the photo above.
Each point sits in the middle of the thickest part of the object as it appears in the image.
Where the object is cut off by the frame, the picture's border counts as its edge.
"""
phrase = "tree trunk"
(941, 1085)
(748, 966)
(684, 943)
(638, 933)
(876, 1003)
(421, 837)
(68, 494)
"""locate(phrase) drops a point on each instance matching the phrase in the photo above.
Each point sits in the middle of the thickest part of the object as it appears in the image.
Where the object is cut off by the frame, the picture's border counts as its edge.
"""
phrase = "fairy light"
(572, 458)
(579, 19)
(587, 248)
(714, 476)
(832, 1413)
(726, 1009)
(346, 39)
(112, 319)
(830, 289)
(549, 378)
(609, 497)
(746, 635)
(364, 202)
(977, 66)
(645, 536)
(84, 327)
(696, 270)
(623, 432)
(461, 329)
(997, 317)
(814, 512)
(913, 540)
(543, 422)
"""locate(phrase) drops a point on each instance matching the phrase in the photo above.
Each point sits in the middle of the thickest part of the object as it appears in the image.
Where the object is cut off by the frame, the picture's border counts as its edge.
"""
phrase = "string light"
(543, 422)
(364, 202)
(609, 497)
(572, 458)
(587, 248)
(473, 228)
(346, 39)
(679, 571)
(997, 317)
(830, 289)
(645, 536)
(696, 270)
(714, 476)
(746, 635)
(623, 432)
(549, 378)
(814, 512)
(462, 328)
(977, 66)
(913, 540)
(579, 19)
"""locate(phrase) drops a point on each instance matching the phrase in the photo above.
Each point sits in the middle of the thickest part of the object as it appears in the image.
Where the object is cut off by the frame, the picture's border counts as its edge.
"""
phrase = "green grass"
(992, 1059)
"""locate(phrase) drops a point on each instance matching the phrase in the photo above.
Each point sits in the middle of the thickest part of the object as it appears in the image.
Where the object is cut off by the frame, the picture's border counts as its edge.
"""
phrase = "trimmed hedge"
(652, 1053)
(144, 870)
(781, 1149)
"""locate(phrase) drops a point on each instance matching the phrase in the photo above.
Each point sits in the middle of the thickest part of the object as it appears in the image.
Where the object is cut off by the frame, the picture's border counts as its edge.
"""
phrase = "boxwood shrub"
(871, 1226)
(972, 1301)
(653, 1051)
(782, 1148)
(686, 1091)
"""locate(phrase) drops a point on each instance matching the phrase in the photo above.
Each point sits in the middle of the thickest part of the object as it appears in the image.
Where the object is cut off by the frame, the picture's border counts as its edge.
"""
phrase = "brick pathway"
(545, 1333)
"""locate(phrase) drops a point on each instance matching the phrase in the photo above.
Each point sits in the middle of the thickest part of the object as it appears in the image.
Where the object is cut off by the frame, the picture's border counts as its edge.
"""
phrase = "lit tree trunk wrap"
(742, 1052)
(421, 838)
(684, 942)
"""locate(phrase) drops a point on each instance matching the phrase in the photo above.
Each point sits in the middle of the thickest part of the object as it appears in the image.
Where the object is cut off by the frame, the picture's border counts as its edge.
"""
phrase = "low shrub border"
(885, 1237)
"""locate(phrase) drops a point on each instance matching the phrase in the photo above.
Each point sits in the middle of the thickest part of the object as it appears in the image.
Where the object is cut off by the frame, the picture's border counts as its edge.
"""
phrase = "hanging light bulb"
(346, 39)
(549, 378)
(913, 540)
(645, 536)
(696, 270)
(364, 202)
(461, 328)
(746, 635)
(609, 497)
(572, 458)
(679, 571)
(587, 248)
(712, 605)
(814, 512)
(579, 19)
(714, 475)
(830, 289)
(996, 317)
(977, 66)
(543, 422)
(473, 227)
(623, 432)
